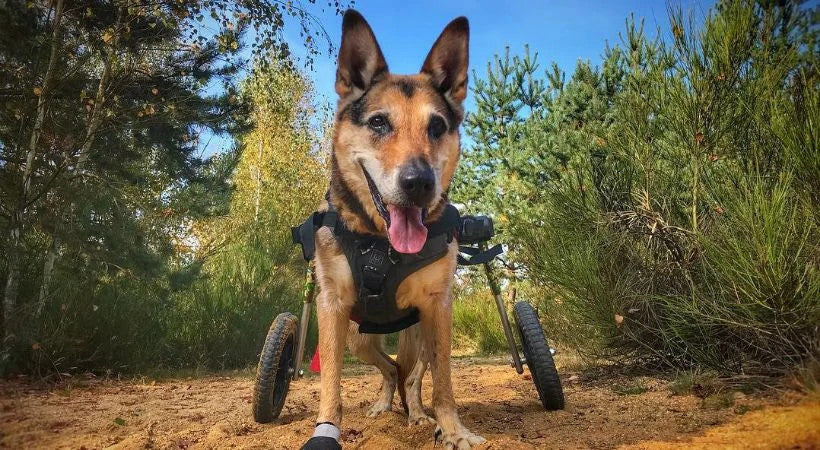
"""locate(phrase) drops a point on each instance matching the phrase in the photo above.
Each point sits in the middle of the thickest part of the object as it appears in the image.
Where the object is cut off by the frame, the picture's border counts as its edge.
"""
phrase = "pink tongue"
(407, 232)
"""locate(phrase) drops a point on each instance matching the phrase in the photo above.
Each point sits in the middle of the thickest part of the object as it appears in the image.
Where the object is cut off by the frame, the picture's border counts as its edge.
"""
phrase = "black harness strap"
(305, 234)
(477, 256)
(378, 269)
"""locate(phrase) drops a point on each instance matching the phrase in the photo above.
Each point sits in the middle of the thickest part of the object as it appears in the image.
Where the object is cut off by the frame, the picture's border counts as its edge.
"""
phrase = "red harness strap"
(314, 363)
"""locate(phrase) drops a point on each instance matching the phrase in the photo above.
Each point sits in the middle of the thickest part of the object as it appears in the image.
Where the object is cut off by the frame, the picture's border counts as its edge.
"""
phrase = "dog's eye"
(436, 127)
(379, 124)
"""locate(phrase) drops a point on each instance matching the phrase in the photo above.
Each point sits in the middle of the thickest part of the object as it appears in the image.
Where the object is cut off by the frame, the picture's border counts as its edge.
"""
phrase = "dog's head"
(396, 138)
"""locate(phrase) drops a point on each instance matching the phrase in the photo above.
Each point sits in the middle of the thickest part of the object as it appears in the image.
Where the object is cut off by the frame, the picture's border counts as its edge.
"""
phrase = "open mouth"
(405, 224)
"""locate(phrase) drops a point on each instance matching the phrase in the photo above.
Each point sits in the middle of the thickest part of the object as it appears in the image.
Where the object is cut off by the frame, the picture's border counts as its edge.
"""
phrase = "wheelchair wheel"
(538, 357)
(275, 368)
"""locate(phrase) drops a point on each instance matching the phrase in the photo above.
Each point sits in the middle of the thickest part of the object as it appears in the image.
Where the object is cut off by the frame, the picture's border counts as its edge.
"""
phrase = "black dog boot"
(325, 437)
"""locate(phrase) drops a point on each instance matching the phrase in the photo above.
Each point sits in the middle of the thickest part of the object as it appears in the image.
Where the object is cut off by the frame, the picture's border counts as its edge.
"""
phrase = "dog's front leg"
(437, 323)
(333, 323)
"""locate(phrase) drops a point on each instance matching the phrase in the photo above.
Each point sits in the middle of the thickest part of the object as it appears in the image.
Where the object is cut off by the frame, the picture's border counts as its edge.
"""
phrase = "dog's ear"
(360, 58)
(447, 61)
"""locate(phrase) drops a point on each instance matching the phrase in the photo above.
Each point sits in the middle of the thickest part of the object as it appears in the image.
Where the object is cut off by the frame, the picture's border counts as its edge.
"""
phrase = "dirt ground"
(494, 401)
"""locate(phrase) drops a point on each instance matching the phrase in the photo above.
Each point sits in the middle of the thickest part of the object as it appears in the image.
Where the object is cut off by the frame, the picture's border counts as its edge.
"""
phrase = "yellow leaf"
(37, 90)
(107, 37)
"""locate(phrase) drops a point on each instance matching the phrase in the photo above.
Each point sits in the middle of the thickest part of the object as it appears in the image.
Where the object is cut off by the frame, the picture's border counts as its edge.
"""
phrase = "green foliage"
(720, 400)
(702, 384)
(255, 272)
(107, 325)
(630, 388)
(109, 212)
(684, 383)
(221, 320)
(230, 274)
(476, 325)
(666, 202)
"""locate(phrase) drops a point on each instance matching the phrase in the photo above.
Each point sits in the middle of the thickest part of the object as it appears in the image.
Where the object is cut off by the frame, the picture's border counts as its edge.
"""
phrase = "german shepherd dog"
(397, 135)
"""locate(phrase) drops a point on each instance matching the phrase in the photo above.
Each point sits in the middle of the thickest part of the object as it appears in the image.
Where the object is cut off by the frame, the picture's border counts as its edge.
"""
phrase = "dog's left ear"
(448, 59)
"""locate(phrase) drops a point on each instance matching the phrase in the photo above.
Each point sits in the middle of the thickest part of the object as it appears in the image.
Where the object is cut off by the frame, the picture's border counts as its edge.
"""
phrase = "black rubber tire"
(273, 374)
(538, 357)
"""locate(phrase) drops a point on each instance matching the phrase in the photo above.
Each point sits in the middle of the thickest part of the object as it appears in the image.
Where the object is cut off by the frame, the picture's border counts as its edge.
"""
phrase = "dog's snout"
(418, 182)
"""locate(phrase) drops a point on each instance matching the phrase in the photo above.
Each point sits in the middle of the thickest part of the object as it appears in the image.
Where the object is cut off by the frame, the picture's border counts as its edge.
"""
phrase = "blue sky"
(558, 30)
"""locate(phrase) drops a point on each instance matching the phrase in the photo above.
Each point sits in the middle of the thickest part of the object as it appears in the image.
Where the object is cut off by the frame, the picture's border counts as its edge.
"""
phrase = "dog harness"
(378, 269)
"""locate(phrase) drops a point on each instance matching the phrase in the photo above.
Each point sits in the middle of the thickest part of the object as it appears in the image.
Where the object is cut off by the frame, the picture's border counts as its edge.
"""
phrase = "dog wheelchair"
(282, 356)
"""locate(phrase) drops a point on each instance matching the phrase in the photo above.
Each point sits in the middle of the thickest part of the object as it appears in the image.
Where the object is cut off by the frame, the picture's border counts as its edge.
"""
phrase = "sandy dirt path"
(214, 412)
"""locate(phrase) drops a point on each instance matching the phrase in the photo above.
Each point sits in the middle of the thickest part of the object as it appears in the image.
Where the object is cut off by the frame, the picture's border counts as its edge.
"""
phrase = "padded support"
(325, 437)
(327, 429)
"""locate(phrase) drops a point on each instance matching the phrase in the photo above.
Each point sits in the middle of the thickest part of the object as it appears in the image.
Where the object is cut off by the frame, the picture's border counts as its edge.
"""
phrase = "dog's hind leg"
(368, 348)
(413, 364)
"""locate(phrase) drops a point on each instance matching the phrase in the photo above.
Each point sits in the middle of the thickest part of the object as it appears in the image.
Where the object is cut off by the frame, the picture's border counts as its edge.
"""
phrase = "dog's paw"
(463, 439)
(378, 408)
(420, 419)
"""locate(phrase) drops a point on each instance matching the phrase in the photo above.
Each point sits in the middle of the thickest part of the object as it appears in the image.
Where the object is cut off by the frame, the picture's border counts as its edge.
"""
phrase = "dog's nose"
(418, 183)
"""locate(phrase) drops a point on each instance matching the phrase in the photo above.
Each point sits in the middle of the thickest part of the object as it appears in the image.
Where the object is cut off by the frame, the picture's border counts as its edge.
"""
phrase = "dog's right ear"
(360, 58)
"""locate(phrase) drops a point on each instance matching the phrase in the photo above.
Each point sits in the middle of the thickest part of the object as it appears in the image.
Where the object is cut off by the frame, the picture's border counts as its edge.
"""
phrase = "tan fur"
(368, 348)
(410, 117)
(409, 101)
(413, 363)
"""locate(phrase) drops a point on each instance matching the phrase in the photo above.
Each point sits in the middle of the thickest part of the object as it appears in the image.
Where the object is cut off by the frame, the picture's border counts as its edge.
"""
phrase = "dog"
(396, 146)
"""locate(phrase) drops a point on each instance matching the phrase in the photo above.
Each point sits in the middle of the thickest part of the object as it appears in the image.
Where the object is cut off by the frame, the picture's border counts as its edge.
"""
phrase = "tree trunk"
(17, 217)
(94, 121)
(258, 181)
(695, 182)
(48, 270)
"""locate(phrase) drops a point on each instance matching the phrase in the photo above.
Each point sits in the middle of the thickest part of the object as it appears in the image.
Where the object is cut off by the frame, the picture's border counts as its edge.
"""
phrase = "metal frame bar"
(304, 322)
(502, 312)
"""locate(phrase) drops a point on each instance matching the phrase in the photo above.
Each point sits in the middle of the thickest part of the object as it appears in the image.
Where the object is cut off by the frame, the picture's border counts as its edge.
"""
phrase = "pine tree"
(664, 205)
(104, 107)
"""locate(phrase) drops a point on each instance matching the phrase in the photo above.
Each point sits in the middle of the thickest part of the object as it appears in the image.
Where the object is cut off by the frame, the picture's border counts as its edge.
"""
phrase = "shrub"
(199, 292)
(476, 324)
(667, 201)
